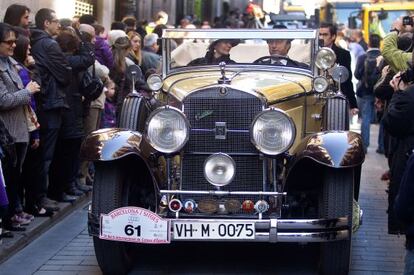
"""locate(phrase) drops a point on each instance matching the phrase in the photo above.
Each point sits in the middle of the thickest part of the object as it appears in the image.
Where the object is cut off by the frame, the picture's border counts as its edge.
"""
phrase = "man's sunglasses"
(9, 42)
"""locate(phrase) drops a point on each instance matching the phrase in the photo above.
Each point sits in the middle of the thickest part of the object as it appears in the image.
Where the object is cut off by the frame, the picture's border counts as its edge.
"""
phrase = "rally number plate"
(214, 230)
(134, 224)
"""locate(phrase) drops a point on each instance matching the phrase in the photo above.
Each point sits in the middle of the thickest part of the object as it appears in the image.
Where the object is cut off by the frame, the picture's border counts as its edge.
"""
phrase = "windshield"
(275, 50)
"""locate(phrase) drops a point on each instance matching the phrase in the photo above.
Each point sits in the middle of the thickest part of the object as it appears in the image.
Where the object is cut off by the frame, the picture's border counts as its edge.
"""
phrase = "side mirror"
(352, 24)
(134, 74)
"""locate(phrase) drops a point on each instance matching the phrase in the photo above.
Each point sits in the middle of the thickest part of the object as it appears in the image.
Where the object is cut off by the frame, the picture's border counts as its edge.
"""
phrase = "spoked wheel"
(117, 185)
(336, 201)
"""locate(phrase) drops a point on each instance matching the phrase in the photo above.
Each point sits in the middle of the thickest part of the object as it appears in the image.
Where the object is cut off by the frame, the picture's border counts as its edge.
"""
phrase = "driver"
(278, 50)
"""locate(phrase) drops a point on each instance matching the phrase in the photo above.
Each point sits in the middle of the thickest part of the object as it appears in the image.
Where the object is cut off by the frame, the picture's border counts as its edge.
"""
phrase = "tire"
(117, 184)
(335, 114)
(336, 201)
(133, 113)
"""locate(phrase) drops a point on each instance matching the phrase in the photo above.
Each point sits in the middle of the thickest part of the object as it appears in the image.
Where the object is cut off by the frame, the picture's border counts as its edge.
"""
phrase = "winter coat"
(343, 57)
(13, 98)
(103, 52)
(399, 122)
(209, 59)
(53, 69)
(360, 72)
(396, 58)
(72, 118)
(404, 203)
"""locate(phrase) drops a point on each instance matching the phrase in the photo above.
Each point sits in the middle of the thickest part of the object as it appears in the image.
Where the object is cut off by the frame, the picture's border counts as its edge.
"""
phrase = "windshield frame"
(249, 34)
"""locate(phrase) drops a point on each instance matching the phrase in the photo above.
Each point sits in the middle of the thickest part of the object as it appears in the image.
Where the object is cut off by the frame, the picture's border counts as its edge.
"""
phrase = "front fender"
(113, 143)
(337, 149)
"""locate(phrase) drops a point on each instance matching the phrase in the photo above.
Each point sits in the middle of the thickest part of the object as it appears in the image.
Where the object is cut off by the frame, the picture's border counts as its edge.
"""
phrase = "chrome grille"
(236, 108)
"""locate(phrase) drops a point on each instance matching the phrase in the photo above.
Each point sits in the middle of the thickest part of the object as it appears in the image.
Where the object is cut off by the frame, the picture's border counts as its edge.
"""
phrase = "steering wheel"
(269, 58)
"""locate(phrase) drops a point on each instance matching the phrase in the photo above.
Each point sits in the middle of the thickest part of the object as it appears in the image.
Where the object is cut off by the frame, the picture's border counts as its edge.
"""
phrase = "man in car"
(278, 52)
(327, 33)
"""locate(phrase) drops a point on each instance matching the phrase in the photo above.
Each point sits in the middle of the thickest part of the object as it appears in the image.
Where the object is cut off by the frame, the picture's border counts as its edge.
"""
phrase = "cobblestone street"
(67, 248)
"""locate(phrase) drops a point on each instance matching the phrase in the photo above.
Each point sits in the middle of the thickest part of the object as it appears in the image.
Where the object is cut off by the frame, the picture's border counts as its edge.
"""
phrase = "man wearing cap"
(278, 51)
(150, 59)
(218, 51)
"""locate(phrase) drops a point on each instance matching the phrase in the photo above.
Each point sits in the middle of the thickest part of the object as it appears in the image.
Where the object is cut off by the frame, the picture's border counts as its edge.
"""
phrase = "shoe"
(68, 198)
(49, 204)
(16, 219)
(14, 227)
(39, 212)
(73, 191)
(83, 187)
(25, 215)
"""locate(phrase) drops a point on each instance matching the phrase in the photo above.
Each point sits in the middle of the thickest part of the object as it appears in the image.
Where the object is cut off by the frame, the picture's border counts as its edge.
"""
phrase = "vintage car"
(253, 151)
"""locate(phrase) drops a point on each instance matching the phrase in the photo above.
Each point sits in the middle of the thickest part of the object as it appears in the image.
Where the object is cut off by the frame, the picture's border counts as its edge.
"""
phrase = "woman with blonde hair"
(135, 53)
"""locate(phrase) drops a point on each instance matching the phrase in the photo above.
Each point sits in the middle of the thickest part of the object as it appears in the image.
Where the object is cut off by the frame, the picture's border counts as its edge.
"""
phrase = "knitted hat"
(113, 35)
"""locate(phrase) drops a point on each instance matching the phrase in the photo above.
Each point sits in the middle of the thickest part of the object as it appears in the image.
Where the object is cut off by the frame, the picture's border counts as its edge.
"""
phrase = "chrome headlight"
(273, 132)
(167, 129)
(320, 84)
(219, 169)
(325, 58)
(154, 82)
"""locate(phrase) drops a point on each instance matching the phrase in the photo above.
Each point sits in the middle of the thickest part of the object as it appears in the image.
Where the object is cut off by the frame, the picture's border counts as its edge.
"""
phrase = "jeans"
(366, 107)
(409, 263)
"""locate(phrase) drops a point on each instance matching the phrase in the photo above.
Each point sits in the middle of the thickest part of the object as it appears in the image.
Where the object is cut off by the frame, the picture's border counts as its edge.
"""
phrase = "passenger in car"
(218, 51)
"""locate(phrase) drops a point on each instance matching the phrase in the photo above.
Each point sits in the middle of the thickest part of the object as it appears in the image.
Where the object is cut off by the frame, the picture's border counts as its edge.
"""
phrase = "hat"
(233, 42)
(113, 35)
(150, 39)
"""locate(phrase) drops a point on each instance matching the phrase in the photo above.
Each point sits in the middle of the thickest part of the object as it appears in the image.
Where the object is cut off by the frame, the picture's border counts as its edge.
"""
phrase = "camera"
(408, 75)
(407, 21)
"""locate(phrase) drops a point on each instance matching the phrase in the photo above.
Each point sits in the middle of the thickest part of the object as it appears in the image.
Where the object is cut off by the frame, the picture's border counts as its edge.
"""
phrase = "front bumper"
(269, 230)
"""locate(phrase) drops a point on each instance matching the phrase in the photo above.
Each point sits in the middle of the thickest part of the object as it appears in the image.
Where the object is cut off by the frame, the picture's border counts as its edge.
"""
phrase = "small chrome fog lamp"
(320, 84)
(219, 169)
(154, 82)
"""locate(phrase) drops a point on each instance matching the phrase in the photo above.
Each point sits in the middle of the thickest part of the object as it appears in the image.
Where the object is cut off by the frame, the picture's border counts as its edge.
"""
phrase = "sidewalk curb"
(11, 246)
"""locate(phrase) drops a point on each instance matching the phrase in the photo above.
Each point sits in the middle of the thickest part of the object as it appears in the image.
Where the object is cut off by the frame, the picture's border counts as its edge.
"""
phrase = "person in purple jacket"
(103, 52)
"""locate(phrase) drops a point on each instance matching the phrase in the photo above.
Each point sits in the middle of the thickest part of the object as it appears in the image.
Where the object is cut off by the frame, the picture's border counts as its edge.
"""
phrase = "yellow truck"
(378, 17)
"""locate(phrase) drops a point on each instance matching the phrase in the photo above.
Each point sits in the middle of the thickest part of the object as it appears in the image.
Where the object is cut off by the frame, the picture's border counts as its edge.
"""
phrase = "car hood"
(272, 85)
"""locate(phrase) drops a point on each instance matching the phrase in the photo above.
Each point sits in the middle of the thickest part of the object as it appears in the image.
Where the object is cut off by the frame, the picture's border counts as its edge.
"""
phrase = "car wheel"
(133, 113)
(336, 114)
(336, 200)
(116, 185)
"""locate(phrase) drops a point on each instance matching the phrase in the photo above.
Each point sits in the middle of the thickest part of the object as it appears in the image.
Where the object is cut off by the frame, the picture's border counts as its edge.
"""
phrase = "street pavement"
(67, 249)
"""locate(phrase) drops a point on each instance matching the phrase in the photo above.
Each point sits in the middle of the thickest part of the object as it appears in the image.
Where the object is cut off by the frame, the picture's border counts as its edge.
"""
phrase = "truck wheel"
(335, 114)
(336, 201)
(133, 113)
(116, 185)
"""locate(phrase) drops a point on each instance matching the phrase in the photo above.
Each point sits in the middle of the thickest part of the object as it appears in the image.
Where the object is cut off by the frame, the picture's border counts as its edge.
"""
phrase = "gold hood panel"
(272, 85)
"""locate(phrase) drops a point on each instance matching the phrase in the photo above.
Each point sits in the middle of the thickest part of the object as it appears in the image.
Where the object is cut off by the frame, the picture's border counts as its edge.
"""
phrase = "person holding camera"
(395, 57)
(399, 122)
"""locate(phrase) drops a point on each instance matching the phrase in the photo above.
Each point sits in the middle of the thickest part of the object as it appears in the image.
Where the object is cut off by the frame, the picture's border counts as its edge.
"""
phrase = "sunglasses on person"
(9, 42)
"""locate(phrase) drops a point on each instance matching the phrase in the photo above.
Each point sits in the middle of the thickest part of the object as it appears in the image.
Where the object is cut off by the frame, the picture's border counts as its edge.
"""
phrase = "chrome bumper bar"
(284, 230)
(222, 193)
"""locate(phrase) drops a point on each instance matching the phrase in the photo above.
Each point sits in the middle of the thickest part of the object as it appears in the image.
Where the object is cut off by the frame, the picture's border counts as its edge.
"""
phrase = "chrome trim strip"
(213, 130)
(331, 231)
(213, 192)
(228, 153)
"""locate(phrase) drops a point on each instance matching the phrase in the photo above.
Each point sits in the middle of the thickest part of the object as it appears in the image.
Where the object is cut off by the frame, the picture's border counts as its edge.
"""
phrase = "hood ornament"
(223, 79)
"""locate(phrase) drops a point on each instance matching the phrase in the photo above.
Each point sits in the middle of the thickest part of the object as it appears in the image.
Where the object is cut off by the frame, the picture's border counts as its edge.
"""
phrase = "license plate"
(136, 225)
(214, 230)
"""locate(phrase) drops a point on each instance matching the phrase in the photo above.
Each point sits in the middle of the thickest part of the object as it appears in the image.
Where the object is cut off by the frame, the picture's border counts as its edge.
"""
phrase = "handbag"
(90, 86)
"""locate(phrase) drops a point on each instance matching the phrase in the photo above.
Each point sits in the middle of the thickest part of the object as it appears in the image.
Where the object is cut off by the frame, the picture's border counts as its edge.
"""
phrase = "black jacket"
(209, 59)
(53, 69)
(399, 122)
(404, 203)
(362, 90)
(343, 57)
(72, 119)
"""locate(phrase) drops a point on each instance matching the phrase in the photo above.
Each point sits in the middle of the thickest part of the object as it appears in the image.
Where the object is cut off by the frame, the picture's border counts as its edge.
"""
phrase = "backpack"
(371, 72)
(90, 85)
